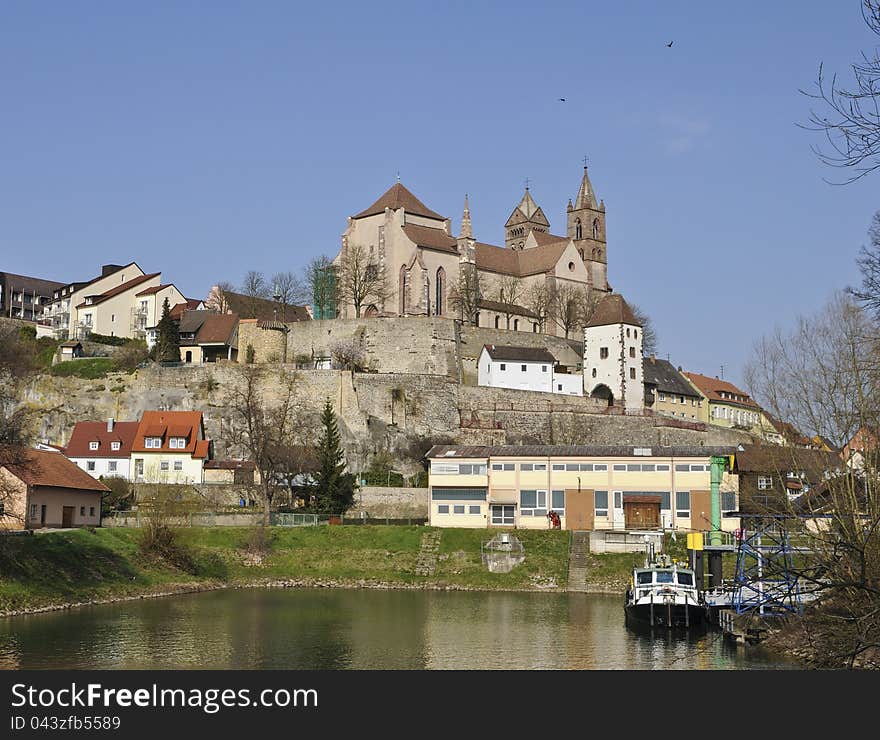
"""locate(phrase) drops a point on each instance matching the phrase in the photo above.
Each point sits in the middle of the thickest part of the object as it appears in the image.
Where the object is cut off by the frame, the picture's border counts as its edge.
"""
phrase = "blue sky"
(204, 141)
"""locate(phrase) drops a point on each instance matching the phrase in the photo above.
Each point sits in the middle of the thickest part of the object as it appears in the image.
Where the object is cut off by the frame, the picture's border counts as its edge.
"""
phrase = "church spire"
(466, 229)
(586, 198)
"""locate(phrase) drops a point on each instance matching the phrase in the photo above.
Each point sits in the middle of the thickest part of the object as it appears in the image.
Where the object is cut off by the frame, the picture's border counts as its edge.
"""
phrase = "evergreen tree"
(333, 488)
(168, 339)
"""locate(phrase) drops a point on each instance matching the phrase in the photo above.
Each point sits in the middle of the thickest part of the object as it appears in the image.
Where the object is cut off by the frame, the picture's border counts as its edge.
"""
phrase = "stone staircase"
(430, 548)
(577, 561)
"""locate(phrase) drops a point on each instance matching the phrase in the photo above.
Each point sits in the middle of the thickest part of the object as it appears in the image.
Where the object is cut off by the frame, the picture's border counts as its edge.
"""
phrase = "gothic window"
(535, 328)
(440, 288)
(401, 289)
(497, 322)
(595, 228)
(371, 272)
(578, 230)
(516, 324)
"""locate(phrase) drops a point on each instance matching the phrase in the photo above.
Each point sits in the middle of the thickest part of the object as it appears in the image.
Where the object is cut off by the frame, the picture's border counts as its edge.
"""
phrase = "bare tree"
(321, 285)
(539, 300)
(288, 290)
(649, 334)
(348, 354)
(217, 299)
(254, 285)
(361, 280)
(568, 306)
(465, 295)
(852, 132)
(822, 376)
(508, 291)
(265, 425)
(869, 265)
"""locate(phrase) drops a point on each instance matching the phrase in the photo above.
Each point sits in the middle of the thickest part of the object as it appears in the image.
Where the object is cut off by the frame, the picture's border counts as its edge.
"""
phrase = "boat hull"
(666, 616)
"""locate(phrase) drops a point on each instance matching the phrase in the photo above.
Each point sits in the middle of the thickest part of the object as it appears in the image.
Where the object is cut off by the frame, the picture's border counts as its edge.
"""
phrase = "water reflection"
(351, 629)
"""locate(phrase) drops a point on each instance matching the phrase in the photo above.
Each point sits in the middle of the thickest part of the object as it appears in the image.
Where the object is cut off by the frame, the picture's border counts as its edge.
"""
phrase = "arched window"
(578, 229)
(401, 289)
(440, 288)
(595, 228)
(516, 324)
(535, 328)
(497, 322)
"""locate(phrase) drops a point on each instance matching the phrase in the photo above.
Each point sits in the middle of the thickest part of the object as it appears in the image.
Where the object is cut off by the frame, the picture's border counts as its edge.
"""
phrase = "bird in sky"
(670, 44)
(562, 99)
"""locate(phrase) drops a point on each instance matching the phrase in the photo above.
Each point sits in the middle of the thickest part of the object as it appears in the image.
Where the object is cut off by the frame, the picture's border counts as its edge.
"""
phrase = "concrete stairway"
(428, 551)
(577, 561)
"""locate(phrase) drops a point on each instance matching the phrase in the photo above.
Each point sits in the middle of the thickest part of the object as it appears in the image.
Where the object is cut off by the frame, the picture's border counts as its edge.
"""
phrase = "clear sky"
(204, 140)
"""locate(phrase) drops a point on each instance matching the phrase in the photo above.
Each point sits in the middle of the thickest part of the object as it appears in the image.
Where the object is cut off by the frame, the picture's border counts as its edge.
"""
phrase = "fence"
(281, 519)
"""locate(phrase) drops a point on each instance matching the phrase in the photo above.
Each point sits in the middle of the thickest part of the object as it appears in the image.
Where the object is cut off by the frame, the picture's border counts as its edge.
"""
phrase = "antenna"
(722, 372)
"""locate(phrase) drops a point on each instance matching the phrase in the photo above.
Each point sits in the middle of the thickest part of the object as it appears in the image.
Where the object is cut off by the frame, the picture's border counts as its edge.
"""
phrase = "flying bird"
(562, 99)
(670, 44)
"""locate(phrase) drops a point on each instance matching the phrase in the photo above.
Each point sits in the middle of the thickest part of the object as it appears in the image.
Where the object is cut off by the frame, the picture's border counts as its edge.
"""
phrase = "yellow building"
(589, 487)
(728, 405)
(669, 393)
(170, 447)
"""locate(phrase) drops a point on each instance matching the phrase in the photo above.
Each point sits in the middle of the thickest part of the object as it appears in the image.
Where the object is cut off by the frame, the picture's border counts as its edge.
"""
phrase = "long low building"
(589, 487)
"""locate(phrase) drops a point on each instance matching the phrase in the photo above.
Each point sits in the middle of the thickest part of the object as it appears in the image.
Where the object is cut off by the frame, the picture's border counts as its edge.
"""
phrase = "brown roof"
(44, 468)
(663, 374)
(507, 308)
(477, 451)
(186, 424)
(127, 285)
(519, 262)
(262, 308)
(711, 388)
(517, 354)
(96, 431)
(544, 237)
(612, 309)
(775, 458)
(177, 309)
(217, 329)
(425, 236)
(155, 289)
(397, 196)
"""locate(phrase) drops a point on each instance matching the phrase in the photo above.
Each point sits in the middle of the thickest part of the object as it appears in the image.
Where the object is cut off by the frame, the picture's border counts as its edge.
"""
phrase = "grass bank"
(79, 566)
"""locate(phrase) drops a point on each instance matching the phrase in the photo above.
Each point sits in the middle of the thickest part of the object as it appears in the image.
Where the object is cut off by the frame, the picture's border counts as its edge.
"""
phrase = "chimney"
(653, 358)
(110, 424)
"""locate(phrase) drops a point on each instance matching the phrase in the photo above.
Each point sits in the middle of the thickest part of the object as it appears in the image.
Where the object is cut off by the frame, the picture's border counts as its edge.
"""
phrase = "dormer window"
(114, 445)
(152, 442)
(93, 445)
(177, 443)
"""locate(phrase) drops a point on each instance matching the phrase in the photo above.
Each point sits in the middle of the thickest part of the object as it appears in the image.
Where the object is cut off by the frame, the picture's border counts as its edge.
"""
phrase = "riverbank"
(65, 569)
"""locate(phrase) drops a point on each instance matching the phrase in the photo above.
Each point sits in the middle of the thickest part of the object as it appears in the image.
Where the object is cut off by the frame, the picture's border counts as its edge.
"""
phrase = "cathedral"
(400, 258)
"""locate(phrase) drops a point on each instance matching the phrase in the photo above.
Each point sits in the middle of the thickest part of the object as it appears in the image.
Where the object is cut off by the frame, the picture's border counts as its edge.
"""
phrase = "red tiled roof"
(217, 329)
(519, 262)
(544, 237)
(397, 196)
(96, 431)
(178, 308)
(155, 289)
(128, 285)
(186, 424)
(425, 236)
(203, 447)
(711, 388)
(612, 309)
(44, 468)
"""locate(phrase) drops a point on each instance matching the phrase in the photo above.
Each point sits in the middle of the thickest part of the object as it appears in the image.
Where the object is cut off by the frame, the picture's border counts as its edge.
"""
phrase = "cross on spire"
(398, 175)
(527, 183)
(586, 161)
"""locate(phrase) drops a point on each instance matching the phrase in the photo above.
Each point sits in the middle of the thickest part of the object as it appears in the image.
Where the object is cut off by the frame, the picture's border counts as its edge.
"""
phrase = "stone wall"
(421, 346)
(269, 344)
(395, 503)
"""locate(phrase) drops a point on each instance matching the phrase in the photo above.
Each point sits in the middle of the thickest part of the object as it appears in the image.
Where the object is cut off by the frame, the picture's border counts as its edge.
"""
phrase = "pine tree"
(333, 488)
(168, 339)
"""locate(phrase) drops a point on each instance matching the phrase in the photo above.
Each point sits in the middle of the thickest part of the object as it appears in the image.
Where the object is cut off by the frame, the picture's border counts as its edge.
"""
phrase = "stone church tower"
(526, 217)
(586, 227)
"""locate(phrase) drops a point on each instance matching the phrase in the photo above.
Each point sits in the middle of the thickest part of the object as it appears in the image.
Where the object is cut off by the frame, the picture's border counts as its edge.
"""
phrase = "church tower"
(586, 223)
(527, 216)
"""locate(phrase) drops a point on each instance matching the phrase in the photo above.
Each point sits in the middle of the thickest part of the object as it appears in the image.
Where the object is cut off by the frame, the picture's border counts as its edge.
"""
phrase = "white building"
(613, 354)
(525, 368)
(102, 448)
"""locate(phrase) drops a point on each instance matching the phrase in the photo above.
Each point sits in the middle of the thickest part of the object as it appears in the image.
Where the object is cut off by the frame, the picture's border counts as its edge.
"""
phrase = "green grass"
(90, 368)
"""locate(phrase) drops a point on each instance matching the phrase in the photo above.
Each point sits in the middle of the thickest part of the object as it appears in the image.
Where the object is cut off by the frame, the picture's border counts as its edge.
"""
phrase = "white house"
(103, 448)
(613, 354)
(525, 368)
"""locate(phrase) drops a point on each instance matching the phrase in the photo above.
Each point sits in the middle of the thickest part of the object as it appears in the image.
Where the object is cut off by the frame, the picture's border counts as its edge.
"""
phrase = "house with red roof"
(103, 448)
(45, 489)
(170, 447)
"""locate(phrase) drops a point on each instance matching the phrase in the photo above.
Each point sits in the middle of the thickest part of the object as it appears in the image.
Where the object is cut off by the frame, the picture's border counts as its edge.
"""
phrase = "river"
(312, 629)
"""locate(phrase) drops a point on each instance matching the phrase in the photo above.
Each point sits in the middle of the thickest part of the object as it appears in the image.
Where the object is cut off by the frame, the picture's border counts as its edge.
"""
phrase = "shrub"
(105, 339)
(131, 355)
(27, 332)
(348, 354)
(91, 368)
(159, 540)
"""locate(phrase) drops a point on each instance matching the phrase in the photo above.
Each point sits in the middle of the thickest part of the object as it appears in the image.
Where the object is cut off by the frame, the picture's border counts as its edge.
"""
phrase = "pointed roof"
(467, 231)
(397, 196)
(612, 309)
(586, 198)
(527, 210)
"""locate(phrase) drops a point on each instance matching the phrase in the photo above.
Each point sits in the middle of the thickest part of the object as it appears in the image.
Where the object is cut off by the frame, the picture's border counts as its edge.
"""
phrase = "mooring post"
(715, 569)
